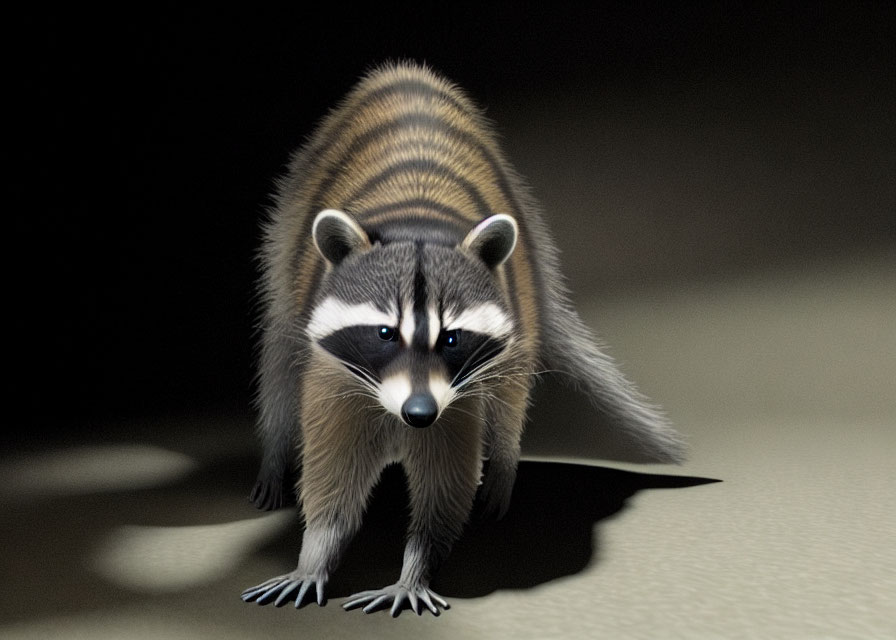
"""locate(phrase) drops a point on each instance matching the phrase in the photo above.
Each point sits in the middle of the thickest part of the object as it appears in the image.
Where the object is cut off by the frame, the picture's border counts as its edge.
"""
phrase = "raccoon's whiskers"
(351, 393)
(361, 374)
(487, 397)
(475, 374)
(453, 407)
(463, 372)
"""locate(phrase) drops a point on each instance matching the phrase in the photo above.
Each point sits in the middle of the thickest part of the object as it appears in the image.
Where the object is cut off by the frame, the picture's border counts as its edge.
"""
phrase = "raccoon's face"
(414, 323)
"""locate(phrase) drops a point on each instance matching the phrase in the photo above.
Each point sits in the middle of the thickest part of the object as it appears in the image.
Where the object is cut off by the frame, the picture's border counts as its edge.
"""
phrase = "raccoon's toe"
(397, 598)
(287, 588)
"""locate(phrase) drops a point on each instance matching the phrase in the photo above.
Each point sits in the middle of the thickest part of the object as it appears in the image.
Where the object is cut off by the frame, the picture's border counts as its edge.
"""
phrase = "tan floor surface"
(779, 526)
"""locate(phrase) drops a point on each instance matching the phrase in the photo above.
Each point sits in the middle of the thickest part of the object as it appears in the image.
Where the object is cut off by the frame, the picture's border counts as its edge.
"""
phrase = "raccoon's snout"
(420, 410)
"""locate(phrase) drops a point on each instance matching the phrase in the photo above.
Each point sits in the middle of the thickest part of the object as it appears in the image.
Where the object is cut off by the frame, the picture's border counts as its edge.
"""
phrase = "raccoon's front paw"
(495, 492)
(398, 595)
(283, 587)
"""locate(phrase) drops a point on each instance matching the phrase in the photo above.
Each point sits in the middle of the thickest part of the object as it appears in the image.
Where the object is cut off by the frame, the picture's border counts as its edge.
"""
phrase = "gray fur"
(278, 405)
(411, 235)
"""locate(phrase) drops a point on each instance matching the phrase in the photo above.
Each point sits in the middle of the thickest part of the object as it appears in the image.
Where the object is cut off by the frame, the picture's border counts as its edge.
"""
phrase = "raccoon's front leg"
(443, 464)
(333, 500)
(322, 544)
(341, 460)
(504, 429)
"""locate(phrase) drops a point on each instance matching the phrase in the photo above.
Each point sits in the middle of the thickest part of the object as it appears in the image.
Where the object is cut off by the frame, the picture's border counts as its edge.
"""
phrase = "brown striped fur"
(411, 159)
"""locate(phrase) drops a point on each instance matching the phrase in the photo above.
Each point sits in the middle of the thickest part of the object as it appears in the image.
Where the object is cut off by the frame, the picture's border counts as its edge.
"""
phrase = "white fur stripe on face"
(407, 325)
(432, 316)
(485, 318)
(441, 390)
(393, 391)
(333, 314)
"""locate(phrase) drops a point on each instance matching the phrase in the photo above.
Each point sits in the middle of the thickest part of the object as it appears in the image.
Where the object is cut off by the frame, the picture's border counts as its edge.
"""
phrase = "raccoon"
(411, 294)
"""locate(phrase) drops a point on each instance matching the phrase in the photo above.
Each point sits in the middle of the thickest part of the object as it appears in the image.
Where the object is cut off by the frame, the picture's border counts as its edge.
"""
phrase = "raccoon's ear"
(336, 235)
(493, 239)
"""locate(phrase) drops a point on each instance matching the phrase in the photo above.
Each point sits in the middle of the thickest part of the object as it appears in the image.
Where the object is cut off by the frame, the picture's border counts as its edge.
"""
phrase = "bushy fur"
(415, 167)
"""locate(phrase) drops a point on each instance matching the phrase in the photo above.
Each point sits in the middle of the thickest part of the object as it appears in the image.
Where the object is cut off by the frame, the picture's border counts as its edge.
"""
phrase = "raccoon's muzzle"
(420, 410)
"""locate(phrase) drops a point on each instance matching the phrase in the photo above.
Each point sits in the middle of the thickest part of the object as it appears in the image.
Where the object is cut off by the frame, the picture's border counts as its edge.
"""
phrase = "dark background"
(146, 143)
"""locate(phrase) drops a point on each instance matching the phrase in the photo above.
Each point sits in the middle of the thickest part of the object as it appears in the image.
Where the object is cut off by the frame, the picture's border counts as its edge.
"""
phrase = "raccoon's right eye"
(387, 333)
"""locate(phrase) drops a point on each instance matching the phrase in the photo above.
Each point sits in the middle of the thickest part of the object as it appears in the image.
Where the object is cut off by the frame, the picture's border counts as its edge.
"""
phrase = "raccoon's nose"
(420, 410)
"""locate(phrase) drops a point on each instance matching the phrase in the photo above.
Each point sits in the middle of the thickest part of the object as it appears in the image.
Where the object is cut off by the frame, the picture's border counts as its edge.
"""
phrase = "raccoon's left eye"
(450, 339)
(387, 333)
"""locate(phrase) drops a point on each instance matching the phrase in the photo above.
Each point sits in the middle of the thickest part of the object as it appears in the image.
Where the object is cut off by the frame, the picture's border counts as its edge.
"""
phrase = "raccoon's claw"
(268, 494)
(398, 596)
(495, 493)
(283, 588)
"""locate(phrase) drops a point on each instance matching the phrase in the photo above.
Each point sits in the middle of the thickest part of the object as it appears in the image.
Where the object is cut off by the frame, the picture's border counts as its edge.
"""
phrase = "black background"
(145, 144)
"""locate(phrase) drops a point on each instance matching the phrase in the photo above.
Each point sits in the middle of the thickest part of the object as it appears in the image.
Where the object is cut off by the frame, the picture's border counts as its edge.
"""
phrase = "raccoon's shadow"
(548, 532)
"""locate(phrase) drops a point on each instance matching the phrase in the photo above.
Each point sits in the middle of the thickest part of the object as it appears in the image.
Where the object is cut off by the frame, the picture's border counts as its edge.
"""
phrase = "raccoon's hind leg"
(505, 416)
(442, 463)
(341, 462)
(277, 406)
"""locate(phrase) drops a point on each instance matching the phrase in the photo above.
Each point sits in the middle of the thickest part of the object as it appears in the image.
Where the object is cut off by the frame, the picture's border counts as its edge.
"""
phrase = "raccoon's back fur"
(401, 216)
